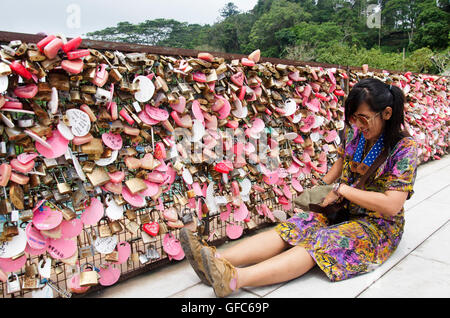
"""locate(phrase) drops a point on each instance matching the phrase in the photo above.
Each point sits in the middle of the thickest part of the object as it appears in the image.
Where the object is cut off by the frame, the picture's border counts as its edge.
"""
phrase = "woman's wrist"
(336, 188)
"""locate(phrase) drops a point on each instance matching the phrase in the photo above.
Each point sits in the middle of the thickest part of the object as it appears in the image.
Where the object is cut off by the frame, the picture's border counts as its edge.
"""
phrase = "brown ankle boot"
(192, 246)
(222, 273)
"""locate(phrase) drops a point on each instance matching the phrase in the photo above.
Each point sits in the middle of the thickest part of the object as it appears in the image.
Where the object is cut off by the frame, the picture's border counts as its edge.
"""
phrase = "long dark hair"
(378, 96)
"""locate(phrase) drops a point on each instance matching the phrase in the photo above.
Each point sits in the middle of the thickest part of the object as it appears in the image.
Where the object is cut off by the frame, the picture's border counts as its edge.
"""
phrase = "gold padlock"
(144, 218)
(16, 195)
(136, 185)
(94, 147)
(132, 226)
(98, 177)
(131, 214)
(112, 257)
(119, 200)
(63, 187)
(103, 228)
(88, 277)
(10, 229)
(115, 226)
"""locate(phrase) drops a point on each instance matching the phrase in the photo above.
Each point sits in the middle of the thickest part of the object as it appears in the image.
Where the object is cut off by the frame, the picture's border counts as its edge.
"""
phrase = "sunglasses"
(364, 121)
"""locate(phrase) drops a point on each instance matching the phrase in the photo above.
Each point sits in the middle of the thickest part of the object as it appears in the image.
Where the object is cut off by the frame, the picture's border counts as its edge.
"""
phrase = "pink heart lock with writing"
(156, 113)
(93, 213)
(147, 119)
(177, 257)
(199, 77)
(61, 248)
(113, 141)
(271, 178)
(34, 237)
(238, 78)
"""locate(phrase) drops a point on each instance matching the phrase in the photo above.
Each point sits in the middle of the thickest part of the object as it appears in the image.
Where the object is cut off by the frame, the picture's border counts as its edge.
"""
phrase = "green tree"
(282, 14)
(433, 26)
(229, 10)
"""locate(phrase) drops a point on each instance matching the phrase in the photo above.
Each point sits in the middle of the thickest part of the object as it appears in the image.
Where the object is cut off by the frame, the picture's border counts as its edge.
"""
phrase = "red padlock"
(151, 228)
(77, 54)
(19, 69)
(72, 44)
(42, 43)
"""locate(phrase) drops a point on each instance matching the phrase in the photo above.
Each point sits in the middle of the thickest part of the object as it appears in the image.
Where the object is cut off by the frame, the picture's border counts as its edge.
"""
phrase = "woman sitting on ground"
(374, 226)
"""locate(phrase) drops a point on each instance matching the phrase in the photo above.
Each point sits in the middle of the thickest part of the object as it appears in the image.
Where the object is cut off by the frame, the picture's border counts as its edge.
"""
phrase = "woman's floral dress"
(368, 239)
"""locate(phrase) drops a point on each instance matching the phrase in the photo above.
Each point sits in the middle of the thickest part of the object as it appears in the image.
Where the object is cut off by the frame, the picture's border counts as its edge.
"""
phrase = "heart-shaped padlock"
(151, 228)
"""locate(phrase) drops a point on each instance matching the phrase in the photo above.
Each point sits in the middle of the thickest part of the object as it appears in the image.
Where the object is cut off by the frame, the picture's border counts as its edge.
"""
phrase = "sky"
(77, 17)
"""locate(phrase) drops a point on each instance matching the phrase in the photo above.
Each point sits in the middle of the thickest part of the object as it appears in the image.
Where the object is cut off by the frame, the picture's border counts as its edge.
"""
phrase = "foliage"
(331, 31)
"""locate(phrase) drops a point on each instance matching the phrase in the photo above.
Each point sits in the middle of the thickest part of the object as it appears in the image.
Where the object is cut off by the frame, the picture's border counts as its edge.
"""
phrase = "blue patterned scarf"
(361, 167)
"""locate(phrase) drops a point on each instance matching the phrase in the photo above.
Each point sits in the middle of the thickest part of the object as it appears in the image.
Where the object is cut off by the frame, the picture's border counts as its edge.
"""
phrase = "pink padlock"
(42, 43)
(52, 48)
(74, 66)
(27, 91)
(101, 75)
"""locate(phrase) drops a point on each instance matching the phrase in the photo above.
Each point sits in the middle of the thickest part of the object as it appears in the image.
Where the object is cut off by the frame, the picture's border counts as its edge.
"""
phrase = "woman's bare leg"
(255, 249)
(283, 267)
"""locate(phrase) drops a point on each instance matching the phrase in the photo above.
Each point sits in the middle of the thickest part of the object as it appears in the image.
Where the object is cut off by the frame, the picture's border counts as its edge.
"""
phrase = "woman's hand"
(329, 199)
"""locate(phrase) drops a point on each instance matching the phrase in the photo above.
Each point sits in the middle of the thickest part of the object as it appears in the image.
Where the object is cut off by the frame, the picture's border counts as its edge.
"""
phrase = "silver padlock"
(152, 253)
(13, 284)
(142, 258)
